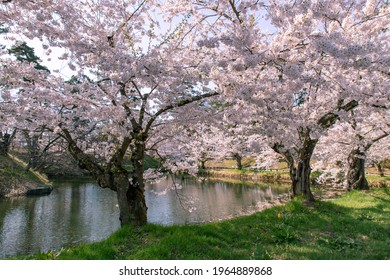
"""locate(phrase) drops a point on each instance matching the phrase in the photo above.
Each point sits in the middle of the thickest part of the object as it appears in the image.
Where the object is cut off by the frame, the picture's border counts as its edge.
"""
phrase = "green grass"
(377, 178)
(353, 226)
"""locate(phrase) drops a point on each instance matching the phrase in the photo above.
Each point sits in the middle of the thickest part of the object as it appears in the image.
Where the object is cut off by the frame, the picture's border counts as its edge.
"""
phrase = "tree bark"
(238, 160)
(5, 142)
(136, 191)
(379, 168)
(300, 169)
(33, 151)
(356, 177)
(202, 165)
(131, 199)
(4, 147)
(301, 181)
(130, 193)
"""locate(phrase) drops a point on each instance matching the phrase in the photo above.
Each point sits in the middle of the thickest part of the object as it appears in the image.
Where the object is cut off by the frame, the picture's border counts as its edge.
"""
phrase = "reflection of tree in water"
(82, 212)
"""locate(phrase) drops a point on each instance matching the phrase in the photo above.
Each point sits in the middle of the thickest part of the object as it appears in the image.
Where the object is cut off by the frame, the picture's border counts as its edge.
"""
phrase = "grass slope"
(15, 180)
(353, 226)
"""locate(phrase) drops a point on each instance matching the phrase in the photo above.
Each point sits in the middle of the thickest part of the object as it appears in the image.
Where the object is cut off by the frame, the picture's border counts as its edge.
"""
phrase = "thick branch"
(117, 159)
(122, 90)
(330, 118)
(179, 103)
(368, 146)
(85, 161)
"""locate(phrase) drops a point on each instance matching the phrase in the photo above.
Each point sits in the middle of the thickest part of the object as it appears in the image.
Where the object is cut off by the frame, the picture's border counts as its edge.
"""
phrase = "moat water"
(80, 211)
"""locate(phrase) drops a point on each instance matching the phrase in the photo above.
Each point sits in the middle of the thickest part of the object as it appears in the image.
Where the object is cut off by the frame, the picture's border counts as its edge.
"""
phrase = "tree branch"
(330, 118)
(179, 103)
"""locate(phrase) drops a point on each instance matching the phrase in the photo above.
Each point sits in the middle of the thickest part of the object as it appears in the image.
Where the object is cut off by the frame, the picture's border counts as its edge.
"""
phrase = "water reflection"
(209, 200)
(78, 212)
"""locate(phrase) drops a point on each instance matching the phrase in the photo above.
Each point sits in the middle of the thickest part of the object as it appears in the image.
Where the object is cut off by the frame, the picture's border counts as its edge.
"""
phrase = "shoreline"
(348, 227)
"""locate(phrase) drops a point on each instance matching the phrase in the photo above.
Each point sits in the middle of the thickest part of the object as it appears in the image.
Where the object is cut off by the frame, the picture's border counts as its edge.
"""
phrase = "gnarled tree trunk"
(4, 147)
(301, 182)
(33, 151)
(300, 169)
(136, 192)
(202, 164)
(301, 179)
(131, 199)
(356, 177)
(130, 192)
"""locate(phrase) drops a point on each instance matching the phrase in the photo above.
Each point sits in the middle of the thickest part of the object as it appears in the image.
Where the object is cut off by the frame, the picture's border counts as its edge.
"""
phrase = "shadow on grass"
(339, 232)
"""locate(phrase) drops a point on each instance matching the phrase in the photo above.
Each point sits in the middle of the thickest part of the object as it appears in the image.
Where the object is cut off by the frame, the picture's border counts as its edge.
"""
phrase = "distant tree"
(23, 53)
(324, 59)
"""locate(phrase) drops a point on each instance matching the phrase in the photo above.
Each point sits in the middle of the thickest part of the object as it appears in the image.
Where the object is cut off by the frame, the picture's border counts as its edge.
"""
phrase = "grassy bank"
(15, 180)
(280, 176)
(378, 181)
(353, 226)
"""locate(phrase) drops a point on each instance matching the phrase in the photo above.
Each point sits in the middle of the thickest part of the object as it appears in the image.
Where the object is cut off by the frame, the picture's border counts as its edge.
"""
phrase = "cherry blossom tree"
(267, 158)
(350, 145)
(6, 132)
(378, 154)
(365, 136)
(135, 73)
(324, 59)
(237, 142)
(5, 141)
(187, 144)
(12, 75)
(321, 60)
(132, 72)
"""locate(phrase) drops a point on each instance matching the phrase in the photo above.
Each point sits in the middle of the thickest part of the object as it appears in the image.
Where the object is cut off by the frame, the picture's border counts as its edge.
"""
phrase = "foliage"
(151, 162)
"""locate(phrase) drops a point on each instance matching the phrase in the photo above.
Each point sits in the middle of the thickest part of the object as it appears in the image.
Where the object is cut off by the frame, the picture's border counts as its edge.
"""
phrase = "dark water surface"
(79, 211)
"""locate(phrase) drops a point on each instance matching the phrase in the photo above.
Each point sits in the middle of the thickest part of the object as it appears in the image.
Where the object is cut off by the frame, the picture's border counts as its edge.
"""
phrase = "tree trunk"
(136, 192)
(379, 168)
(239, 161)
(300, 169)
(3, 148)
(33, 152)
(5, 142)
(202, 165)
(130, 193)
(131, 199)
(301, 180)
(356, 177)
